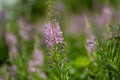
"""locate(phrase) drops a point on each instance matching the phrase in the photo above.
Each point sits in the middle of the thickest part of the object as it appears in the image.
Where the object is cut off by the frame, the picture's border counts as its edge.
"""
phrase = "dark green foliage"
(4, 52)
(38, 9)
(32, 10)
(108, 54)
(78, 5)
(76, 45)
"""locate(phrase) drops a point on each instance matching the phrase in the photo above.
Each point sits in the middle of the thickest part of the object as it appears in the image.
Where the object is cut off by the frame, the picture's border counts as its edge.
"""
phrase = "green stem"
(56, 60)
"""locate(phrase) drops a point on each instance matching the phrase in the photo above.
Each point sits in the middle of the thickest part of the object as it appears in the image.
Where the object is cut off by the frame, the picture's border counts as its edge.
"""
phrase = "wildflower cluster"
(53, 35)
(56, 50)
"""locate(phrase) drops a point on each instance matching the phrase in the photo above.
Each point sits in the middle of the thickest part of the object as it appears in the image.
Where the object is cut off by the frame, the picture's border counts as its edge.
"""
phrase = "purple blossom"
(59, 6)
(13, 51)
(57, 34)
(105, 17)
(76, 25)
(90, 44)
(12, 70)
(25, 29)
(2, 15)
(53, 34)
(11, 39)
(38, 57)
(0, 32)
(12, 44)
(36, 61)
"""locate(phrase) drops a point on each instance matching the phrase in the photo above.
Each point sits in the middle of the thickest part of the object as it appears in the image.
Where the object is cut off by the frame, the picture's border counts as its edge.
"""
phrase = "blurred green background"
(71, 16)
